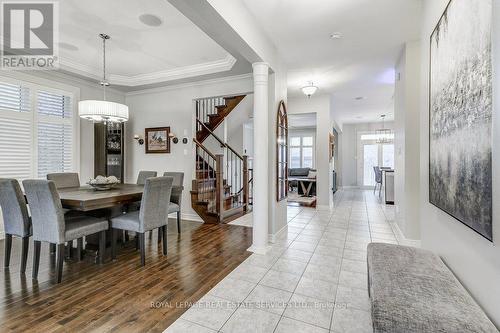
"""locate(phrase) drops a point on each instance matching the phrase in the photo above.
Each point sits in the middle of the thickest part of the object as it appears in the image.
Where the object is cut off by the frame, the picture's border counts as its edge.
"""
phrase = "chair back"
(177, 185)
(16, 219)
(378, 174)
(47, 215)
(143, 175)
(64, 179)
(155, 202)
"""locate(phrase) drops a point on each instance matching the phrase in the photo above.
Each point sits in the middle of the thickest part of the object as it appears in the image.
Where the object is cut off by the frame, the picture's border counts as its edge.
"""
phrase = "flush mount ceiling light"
(309, 90)
(384, 135)
(150, 20)
(103, 111)
(336, 35)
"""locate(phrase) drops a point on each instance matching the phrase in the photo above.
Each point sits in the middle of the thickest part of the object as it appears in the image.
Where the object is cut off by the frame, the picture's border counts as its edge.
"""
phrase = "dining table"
(86, 198)
(100, 203)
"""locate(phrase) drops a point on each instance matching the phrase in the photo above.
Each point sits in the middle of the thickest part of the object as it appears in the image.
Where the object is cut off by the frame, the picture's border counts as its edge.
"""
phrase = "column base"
(259, 249)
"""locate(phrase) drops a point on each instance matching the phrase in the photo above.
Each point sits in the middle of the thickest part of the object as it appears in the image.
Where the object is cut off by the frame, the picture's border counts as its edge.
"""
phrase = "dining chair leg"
(79, 248)
(24, 253)
(136, 241)
(142, 245)
(102, 246)
(150, 234)
(164, 243)
(160, 232)
(70, 249)
(60, 261)
(52, 248)
(8, 249)
(126, 237)
(179, 222)
(114, 235)
(36, 258)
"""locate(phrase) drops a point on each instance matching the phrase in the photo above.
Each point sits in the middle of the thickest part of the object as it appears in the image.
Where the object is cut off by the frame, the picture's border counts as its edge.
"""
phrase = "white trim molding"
(210, 67)
(274, 237)
(402, 240)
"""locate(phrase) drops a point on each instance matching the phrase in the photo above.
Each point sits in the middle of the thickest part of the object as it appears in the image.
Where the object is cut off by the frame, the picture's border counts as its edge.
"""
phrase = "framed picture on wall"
(157, 140)
(460, 111)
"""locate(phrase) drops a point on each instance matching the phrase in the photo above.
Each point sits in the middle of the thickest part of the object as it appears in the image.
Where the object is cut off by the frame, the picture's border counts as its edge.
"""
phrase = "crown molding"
(206, 68)
(191, 84)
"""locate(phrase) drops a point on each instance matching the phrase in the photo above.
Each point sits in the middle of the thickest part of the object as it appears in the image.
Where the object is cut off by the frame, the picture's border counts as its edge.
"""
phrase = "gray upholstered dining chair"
(16, 219)
(50, 225)
(64, 179)
(153, 214)
(378, 179)
(176, 197)
(143, 175)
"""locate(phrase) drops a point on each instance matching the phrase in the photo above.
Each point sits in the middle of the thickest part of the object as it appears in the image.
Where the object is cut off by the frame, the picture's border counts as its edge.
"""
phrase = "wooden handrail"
(204, 149)
(211, 132)
(234, 151)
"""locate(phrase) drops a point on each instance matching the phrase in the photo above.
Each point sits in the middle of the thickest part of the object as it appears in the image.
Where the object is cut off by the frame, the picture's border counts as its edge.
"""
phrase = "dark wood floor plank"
(118, 296)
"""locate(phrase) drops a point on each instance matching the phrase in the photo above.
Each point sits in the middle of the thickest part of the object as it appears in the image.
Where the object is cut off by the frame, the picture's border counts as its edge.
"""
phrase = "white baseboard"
(274, 237)
(2, 234)
(349, 187)
(191, 217)
(402, 240)
(260, 249)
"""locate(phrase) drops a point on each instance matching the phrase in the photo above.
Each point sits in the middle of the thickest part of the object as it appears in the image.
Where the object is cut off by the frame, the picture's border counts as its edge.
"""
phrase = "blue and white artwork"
(460, 165)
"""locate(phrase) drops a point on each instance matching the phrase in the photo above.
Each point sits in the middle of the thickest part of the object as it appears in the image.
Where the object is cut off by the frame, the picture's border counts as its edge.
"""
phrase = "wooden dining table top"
(86, 198)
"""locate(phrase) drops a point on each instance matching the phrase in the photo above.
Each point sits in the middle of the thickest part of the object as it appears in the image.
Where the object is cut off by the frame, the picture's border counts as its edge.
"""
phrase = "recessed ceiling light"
(336, 35)
(359, 98)
(67, 46)
(150, 20)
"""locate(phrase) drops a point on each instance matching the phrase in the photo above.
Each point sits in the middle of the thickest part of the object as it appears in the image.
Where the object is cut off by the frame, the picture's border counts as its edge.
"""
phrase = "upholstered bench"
(412, 290)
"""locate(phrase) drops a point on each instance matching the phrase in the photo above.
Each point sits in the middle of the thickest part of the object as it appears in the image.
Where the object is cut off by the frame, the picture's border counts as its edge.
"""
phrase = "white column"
(260, 158)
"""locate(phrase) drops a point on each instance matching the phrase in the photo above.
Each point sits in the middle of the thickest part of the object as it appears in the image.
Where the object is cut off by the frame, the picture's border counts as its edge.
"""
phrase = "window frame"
(39, 84)
(301, 135)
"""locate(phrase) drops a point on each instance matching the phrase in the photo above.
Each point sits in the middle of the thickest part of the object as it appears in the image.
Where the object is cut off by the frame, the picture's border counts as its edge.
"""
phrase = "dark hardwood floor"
(120, 296)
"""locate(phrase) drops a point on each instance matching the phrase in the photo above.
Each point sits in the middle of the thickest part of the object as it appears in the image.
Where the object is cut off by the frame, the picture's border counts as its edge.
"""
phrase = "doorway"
(372, 154)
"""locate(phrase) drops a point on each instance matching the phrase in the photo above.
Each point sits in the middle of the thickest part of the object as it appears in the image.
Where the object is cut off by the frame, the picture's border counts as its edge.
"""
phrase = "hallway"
(314, 279)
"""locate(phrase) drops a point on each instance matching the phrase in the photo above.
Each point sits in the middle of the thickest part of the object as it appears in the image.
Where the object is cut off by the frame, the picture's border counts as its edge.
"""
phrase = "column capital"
(260, 72)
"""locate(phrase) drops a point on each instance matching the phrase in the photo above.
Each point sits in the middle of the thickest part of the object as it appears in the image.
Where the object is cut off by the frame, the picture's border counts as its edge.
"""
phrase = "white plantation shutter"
(14, 97)
(15, 148)
(56, 105)
(37, 129)
(55, 133)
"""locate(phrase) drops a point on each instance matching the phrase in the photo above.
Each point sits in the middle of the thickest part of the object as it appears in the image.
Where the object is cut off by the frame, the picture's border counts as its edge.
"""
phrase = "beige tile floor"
(314, 279)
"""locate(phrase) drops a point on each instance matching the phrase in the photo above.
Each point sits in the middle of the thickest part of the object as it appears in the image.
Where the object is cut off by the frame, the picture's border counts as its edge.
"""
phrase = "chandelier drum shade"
(103, 111)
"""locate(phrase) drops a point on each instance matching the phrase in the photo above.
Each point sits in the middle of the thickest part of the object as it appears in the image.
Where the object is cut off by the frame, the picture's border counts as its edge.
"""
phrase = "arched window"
(282, 153)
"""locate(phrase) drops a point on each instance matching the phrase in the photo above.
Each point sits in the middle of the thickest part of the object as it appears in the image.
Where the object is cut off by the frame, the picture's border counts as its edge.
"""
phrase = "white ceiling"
(361, 64)
(137, 54)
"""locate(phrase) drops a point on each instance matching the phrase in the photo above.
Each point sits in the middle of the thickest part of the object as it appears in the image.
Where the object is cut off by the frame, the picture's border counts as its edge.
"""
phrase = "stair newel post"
(219, 186)
(245, 183)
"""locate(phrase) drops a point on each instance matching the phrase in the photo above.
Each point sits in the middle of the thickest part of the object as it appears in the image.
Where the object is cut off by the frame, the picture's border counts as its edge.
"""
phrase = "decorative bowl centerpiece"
(101, 183)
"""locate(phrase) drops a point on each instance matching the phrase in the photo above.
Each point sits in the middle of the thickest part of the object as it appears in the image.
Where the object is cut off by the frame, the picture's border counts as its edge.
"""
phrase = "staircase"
(221, 189)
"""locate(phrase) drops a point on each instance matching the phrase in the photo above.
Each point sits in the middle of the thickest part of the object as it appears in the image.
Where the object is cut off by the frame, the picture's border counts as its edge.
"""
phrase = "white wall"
(349, 149)
(324, 126)
(407, 142)
(174, 107)
(474, 260)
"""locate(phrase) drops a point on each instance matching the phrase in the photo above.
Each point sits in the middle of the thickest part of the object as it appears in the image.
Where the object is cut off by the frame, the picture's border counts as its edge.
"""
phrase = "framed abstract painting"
(460, 111)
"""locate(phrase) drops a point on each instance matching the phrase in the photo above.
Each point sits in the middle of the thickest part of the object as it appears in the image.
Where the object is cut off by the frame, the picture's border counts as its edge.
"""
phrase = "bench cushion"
(412, 290)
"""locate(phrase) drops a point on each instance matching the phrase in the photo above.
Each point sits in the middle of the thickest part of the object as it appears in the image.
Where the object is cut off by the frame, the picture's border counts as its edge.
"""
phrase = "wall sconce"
(139, 139)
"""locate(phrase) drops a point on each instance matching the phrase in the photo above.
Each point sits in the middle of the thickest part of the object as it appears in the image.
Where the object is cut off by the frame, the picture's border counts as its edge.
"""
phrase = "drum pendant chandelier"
(103, 111)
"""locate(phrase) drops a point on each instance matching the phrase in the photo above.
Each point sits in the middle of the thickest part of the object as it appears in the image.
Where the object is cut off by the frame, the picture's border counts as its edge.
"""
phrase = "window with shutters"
(37, 131)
